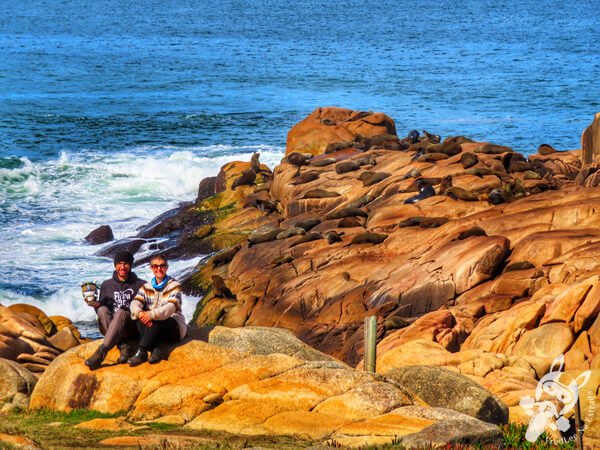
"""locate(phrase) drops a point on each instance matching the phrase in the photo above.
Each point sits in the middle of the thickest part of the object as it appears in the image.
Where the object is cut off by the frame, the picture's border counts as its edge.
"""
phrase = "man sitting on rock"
(112, 308)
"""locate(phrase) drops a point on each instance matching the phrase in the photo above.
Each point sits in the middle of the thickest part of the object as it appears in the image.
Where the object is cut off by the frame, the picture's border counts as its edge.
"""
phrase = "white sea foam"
(50, 206)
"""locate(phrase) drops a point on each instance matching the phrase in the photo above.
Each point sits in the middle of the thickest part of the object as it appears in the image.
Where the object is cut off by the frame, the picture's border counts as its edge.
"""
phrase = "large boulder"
(445, 389)
(100, 235)
(327, 126)
(16, 386)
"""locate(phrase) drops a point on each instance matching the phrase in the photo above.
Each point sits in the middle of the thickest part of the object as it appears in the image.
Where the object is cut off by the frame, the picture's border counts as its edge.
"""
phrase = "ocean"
(112, 111)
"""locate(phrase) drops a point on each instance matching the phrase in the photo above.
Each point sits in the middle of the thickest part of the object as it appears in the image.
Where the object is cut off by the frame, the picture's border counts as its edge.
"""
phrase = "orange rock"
(590, 141)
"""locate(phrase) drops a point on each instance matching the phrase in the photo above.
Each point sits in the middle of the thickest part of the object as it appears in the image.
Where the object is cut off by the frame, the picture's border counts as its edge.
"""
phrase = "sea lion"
(295, 231)
(349, 222)
(546, 149)
(336, 146)
(473, 231)
(395, 323)
(457, 193)
(346, 212)
(308, 237)
(360, 201)
(480, 171)
(306, 177)
(497, 196)
(375, 178)
(424, 222)
(346, 166)
(431, 157)
(418, 154)
(255, 163)
(531, 175)
(459, 140)
(259, 237)
(413, 136)
(220, 289)
(515, 162)
(493, 149)
(283, 259)
(246, 178)
(468, 159)
(298, 159)
(225, 256)
(368, 237)
(433, 138)
(367, 160)
(445, 184)
(412, 173)
(425, 191)
(365, 175)
(449, 148)
(333, 236)
(521, 265)
(319, 193)
(307, 224)
(323, 162)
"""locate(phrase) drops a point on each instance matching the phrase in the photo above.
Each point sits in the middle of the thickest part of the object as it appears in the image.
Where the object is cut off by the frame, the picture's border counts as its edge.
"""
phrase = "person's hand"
(145, 318)
(94, 304)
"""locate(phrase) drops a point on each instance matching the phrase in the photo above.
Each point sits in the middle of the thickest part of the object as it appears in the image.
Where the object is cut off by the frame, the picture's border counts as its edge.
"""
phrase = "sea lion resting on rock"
(424, 222)
(308, 237)
(367, 160)
(374, 178)
(457, 193)
(412, 173)
(368, 237)
(468, 159)
(346, 166)
(295, 231)
(225, 256)
(246, 178)
(265, 236)
(413, 136)
(360, 201)
(333, 236)
(433, 138)
(323, 162)
(546, 149)
(425, 191)
(307, 224)
(298, 159)
(255, 163)
(346, 212)
(349, 222)
(320, 193)
(306, 177)
(473, 231)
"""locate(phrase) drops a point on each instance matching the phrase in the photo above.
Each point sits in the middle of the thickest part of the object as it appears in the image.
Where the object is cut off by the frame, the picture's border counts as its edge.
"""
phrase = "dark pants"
(116, 327)
(161, 331)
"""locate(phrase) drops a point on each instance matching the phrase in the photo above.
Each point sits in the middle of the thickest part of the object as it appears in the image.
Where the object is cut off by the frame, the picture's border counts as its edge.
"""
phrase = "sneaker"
(124, 353)
(141, 356)
(155, 356)
(94, 361)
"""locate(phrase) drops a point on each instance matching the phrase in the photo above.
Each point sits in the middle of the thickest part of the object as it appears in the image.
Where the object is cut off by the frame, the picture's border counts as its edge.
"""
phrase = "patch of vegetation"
(514, 437)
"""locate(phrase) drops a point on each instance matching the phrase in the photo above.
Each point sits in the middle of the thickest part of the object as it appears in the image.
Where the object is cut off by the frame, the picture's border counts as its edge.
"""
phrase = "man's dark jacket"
(118, 294)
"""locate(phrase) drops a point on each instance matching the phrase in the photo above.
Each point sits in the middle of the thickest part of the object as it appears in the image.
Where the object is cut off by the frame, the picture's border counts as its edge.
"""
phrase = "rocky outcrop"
(216, 388)
(331, 129)
(33, 339)
(16, 387)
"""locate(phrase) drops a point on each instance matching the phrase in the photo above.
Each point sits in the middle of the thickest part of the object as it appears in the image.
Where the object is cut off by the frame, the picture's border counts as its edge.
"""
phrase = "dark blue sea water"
(111, 111)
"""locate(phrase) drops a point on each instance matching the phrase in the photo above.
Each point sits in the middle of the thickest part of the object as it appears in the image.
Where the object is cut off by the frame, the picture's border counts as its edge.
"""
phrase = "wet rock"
(100, 235)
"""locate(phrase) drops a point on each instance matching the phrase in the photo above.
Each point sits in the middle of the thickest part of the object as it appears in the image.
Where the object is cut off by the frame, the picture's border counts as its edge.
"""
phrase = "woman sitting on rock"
(157, 310)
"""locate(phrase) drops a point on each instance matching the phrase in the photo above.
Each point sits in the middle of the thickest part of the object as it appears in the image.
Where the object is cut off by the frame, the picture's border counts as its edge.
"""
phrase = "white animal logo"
(546, 413)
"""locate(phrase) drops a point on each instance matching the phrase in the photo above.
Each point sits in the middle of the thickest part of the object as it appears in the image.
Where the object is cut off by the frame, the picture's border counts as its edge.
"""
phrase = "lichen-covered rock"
(445, 389)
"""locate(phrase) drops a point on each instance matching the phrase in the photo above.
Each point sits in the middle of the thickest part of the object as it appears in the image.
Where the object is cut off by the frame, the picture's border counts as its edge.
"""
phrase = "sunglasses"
(159, 266)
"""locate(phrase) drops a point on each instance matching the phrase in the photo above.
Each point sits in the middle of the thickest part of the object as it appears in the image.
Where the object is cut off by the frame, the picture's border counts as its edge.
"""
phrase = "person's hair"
(161, 257)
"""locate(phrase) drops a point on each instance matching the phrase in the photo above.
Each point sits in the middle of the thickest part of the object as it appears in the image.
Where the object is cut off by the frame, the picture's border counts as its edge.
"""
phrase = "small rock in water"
(100, 235)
